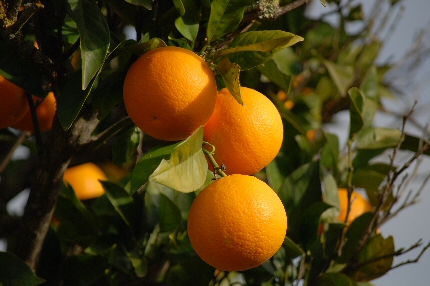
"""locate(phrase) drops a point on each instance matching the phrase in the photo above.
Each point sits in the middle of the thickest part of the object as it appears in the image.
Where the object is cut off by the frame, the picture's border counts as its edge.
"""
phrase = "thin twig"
(399, 252)
(9, 155)
(391, 178)
(409, 261)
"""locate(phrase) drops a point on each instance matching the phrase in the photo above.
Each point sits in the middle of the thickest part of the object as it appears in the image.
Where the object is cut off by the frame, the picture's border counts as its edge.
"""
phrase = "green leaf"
(224, 17)
(71, 100)
(186, 169)
(254, 48)
(170, 215)
(188, 22)
(342, 76)
(370, 86)
(21, 72)
(413, 144)
(125, 146)
(16, 272)
(330, 151)
(353, 236)
(375, 259)
(300, 190)
(143, 47)
(94, 36)
(331, 195)
(121, 201)
(78, 224)
(144, 3)
(230, 73)
(147, 165)
(271, 70)
(310, 222)
(334, 279)
(362, 111)
(378, 137)
(84, 269)
(370, 178)
(363, 156)
(139, 263)
(292, 250)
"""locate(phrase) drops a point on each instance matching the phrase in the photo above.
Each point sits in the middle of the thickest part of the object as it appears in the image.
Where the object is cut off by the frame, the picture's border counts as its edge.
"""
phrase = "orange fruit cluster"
(359, 205)
(13, 103)
(169, 93)
(45, 113)
(246, 138)
(237, 223)
(85, 180)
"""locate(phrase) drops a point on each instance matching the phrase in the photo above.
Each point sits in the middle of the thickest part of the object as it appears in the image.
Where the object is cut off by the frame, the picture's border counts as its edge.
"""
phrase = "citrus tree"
(184, 143)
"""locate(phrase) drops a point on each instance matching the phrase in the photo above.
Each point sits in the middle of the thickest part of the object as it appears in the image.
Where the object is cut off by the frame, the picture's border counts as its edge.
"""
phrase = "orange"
(45, 114)
(359, 205)
(13, 103)
(169, 92)
(246, 138)
(84, 179)
(237, 223)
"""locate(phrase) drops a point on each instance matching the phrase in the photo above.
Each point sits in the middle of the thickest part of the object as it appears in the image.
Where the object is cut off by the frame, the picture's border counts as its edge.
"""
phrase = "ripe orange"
(169, 92)
(237, 223)
(13, 103)
(359, 205)
(45, 113)
(246, 138)
(84, 179)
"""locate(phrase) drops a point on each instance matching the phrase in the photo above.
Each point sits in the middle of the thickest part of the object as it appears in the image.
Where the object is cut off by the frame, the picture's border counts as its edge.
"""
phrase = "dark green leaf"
(94, 35)
(125, 145)
(71, 100)
(330, 151)
(363, 156)
(310, 222)
(375, 259)
(300, 190)
(147, 164)
(121, 201)
(15, 272)
(271, 70)
(370, 178)
(353, 237)
(143, 47)
(230, 74)
(21, 72)
(77, 224)
(413, 144)
(254, 48)
(292, 250)
(84, 269)
(144, 3)
(224, 17)
(170, 215)
(334, 279)
(188, 22)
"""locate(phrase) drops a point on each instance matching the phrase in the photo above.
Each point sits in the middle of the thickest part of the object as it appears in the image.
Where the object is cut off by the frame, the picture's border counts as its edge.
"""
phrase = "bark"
(54, 159)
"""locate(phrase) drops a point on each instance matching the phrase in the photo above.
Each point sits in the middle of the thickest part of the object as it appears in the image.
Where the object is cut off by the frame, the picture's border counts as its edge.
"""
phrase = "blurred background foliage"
(135, 234)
